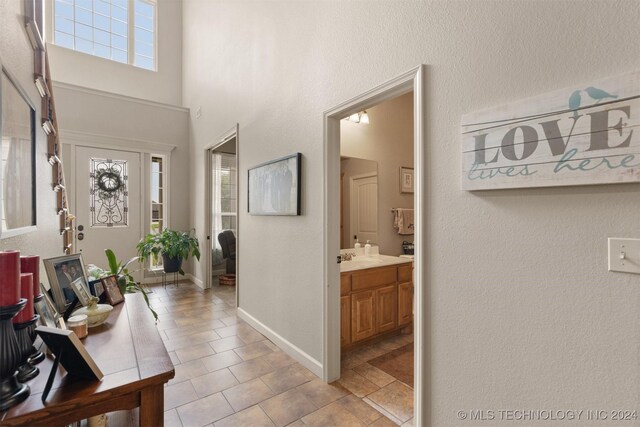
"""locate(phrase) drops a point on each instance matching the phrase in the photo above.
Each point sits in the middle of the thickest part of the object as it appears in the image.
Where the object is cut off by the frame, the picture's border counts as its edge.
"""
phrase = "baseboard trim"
(303, 358)
(195, 280)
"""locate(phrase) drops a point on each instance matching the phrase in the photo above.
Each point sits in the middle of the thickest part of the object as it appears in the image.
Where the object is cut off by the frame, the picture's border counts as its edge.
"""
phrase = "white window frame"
(131, 55)
(165, 197)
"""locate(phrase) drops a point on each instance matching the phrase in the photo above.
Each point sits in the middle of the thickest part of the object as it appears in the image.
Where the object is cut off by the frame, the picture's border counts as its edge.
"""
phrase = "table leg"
(152, 406)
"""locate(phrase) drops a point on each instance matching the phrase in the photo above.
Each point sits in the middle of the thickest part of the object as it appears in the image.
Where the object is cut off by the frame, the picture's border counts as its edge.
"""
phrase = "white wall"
(90, 117)
(16, 55)
(522, 312)
(388, 140)
(163, 85)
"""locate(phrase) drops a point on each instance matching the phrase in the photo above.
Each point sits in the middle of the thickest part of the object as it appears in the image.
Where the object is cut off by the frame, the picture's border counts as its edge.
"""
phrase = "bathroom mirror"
(17, 159)
(358, 201)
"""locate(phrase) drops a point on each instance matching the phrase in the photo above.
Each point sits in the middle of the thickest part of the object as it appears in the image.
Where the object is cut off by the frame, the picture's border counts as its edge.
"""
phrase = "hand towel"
(403, 221)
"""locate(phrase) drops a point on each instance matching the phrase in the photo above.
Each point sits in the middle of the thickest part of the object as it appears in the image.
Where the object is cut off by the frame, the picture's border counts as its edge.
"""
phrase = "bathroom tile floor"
(228, 374)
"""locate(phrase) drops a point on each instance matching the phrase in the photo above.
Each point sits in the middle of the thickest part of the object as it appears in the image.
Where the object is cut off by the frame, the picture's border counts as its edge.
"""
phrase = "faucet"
(347, 256)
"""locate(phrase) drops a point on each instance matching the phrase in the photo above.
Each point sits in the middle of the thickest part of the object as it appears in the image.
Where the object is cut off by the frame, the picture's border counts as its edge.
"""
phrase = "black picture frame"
(275, 187)
(70, 352)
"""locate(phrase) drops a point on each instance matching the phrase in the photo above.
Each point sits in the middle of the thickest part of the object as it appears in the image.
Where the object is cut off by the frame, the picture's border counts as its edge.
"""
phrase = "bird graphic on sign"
(575, 99)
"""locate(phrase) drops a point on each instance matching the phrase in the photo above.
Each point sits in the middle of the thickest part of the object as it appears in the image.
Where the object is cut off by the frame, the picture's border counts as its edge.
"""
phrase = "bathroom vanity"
(376, 298)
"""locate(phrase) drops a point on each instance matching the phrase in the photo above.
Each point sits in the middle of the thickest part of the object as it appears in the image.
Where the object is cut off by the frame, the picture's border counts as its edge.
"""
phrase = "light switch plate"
(624, 255)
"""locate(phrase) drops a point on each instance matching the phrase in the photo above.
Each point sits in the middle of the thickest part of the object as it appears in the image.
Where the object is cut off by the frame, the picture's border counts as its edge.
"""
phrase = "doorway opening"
(375, 299)
(221, 198)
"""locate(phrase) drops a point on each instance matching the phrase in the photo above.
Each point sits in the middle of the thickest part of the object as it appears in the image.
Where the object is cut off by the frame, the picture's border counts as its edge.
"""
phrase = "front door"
(108, 194)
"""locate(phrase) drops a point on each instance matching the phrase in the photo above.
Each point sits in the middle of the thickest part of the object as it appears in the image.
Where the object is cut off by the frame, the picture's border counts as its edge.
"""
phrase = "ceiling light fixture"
(361, 117)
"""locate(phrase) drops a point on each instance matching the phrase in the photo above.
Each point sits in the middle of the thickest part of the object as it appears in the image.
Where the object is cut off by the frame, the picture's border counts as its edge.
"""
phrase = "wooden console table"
(129, 351)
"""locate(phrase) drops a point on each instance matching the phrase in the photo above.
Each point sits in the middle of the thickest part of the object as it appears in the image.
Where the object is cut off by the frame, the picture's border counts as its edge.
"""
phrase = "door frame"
(351, 198)
(412, 80)
(222, 139)
(70, 139)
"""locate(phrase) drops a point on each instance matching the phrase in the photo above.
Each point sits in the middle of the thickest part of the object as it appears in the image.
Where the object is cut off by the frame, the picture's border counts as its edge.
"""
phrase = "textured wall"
(522, 311)
(16, 55)
(162, 85)
(135, 123)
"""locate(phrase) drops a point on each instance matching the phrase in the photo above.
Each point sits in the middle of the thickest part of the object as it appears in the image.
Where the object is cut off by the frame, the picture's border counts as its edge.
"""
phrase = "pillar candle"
(9, 278)
(26, 289)
(31, 264)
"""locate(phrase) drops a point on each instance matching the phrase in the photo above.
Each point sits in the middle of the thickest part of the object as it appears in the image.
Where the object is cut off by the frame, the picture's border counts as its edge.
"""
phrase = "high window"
(120, 30)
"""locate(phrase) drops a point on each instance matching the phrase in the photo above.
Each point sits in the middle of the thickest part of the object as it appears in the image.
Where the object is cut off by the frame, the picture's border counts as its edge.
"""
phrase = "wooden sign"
(581, 135)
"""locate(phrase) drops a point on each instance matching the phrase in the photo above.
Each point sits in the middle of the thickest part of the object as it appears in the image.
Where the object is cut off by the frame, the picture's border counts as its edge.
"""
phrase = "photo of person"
(62, 272)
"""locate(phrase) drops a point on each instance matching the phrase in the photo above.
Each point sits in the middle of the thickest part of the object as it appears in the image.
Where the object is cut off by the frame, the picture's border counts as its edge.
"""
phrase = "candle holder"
(11, 391)
(36, 356)
(26, 370)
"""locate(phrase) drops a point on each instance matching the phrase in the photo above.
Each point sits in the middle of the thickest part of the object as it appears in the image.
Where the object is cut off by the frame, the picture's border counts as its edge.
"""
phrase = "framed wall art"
(406, 180)
(274, 187)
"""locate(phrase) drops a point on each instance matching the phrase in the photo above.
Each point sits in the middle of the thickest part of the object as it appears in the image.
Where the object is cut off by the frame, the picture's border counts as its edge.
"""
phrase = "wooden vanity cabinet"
(374, 301)
(405, 294)
(363, 315)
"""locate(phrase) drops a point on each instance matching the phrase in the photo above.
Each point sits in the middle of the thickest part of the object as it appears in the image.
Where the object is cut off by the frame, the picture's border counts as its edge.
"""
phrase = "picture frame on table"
(46, 309)
(97, 290)
(406, 180)
(274, 187)
(112, 290)
(62, 271)
(81, 290)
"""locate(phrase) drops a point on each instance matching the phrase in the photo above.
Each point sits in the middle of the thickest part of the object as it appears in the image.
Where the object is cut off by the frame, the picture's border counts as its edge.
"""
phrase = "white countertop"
(372, 261)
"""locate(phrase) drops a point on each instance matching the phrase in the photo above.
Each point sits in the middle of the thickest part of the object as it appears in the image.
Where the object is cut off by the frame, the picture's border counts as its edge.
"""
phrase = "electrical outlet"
(624, 255)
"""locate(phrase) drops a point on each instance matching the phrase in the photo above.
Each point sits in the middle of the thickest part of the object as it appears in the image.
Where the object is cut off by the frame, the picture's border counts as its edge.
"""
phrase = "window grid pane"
(158, 207)
(102, 28)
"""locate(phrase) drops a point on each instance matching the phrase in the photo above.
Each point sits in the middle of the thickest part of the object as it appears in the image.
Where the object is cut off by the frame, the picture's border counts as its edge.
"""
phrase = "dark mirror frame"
(5, 74)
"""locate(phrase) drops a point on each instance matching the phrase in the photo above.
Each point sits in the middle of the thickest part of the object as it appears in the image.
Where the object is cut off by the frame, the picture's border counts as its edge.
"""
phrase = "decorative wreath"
(108, 181)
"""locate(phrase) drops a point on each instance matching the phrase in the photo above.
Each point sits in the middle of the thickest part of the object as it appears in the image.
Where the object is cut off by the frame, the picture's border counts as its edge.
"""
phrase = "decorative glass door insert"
(108, 193)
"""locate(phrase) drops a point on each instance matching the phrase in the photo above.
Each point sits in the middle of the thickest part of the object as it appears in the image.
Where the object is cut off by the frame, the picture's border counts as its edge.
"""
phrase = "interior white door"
(364, 209)
(108, 194)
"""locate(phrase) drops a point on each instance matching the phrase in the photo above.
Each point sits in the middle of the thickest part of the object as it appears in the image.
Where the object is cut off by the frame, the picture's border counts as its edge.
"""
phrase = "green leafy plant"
(126, 282)
(171, 243)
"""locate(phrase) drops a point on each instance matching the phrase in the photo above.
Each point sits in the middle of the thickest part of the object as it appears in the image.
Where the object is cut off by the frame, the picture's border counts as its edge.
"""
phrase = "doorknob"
(80, 236)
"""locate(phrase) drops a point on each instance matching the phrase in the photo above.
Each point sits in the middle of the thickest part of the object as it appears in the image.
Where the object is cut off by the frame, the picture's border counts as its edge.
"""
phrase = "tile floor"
(228, 374)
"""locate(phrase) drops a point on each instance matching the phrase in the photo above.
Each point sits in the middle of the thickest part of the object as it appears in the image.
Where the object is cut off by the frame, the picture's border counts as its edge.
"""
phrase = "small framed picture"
(48, 314)
(97, 290)
(406, 180)
(62, 271)
(111, 288)
(81, 291)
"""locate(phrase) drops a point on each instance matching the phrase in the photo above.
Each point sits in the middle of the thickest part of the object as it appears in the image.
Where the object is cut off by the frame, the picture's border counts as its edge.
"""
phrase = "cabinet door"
(387, 308)
(345, 320)
(405, 303)
(363, 315)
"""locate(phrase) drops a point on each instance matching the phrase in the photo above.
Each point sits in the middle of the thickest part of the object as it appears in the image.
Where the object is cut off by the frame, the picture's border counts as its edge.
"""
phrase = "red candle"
(31, 264)
(26, 287)
(9, 278)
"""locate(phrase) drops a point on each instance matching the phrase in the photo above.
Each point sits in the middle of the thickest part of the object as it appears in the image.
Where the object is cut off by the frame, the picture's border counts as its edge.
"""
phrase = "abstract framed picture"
(274, 187)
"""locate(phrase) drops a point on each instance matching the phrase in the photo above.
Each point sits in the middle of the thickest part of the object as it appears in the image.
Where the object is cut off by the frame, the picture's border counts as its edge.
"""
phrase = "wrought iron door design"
(109, 193)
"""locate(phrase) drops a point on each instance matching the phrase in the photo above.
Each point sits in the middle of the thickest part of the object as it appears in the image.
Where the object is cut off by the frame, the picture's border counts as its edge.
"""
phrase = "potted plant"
(125, 279)
(174, 246)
